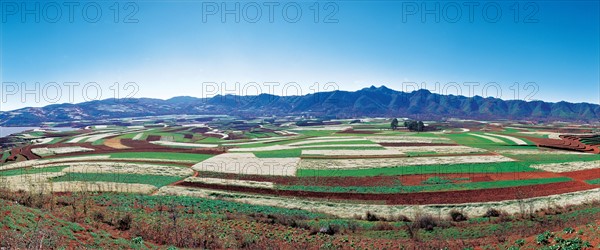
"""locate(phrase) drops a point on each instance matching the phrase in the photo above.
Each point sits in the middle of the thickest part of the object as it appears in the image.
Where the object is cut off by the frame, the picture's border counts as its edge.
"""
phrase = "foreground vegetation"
(109, 220)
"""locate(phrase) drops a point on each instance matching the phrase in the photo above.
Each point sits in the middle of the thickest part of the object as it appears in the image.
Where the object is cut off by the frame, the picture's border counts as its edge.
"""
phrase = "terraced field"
(300, 161)
(327, 169)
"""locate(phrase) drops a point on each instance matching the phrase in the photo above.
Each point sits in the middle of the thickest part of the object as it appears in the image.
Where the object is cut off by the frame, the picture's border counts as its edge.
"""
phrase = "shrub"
(544, 238)
(124, 223)
(137, 240)
(520, 242)
(372, 217)
(457, 216)
(98, 216)
(329, 229)
(425, 221)
(383, 226)
(569, 230)
(492, 212)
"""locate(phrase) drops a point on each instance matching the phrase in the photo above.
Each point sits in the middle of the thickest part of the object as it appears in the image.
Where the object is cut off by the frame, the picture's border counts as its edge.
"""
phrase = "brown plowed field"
(115, 143)
(444, 197)
(407, 180)
(582, 175)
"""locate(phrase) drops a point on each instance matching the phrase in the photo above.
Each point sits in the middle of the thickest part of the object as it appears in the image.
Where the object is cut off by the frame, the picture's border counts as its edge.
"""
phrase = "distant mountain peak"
(371, 101)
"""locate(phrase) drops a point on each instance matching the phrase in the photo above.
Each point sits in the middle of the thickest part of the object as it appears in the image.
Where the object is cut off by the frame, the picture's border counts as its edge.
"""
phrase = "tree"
(420, 126)
(394, 124)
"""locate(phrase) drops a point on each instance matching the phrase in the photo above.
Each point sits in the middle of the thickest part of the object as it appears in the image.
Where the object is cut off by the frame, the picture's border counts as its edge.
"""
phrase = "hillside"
(373, 101)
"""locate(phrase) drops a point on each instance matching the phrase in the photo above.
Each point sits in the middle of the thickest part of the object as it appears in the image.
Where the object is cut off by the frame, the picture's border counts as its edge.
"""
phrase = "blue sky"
(549, 52)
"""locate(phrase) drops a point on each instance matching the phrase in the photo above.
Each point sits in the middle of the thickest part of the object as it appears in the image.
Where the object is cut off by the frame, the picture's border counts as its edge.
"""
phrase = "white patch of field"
(184, 144)
(282, 147)
(550, 135)
(41, 183)
(38, 163)
(325, 141)
(554, 136)
(135, 127)
(84, 186)
(350, 210)
(353, 152)
(407, 139)
(510, 138)
(248, 163)
(439, 149)
(100, 137)
(60, 150)
(393, 162)
(567, 166)
(323, 128)
(285, 133)
(493, 139)
(127, 168)
(257, 141)
(138, 136)
(43, 140)
(231, 182)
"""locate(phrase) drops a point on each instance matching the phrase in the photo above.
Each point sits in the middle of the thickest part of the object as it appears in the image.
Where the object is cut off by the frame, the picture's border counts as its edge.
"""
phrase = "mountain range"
(372, 102)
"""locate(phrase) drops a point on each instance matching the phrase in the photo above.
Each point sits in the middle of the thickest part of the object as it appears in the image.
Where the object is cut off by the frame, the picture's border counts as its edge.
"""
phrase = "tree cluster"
(418, 126)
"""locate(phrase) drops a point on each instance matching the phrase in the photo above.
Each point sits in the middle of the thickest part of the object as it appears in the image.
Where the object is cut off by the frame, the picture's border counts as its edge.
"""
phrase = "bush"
(492, 213)
(329, 229)
(98, 216)
(124, 223)
(383, 226)
(372, 217)
(544, 238)
(457, 216)
(569, 230)
(425, 221)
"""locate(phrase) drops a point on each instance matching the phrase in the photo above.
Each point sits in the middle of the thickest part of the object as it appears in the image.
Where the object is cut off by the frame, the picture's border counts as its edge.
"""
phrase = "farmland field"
(367, 181)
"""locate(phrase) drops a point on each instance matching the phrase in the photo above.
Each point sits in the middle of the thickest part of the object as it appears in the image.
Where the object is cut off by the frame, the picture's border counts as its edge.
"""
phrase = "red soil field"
(407, 180)
(423, 198)
(567, 142)
(582, 175)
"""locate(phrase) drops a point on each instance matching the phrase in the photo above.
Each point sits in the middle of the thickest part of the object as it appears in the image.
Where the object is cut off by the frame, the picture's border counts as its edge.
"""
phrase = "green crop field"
(499, 167)
(427, 188)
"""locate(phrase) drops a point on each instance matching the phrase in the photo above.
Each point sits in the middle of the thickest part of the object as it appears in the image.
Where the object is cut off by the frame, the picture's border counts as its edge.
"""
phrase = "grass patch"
(421, 153)
(594, 181)
(155, 180)
(5, 155)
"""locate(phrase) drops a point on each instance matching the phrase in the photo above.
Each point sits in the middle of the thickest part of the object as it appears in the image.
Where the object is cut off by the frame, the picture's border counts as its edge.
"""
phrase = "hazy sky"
(547, 50)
